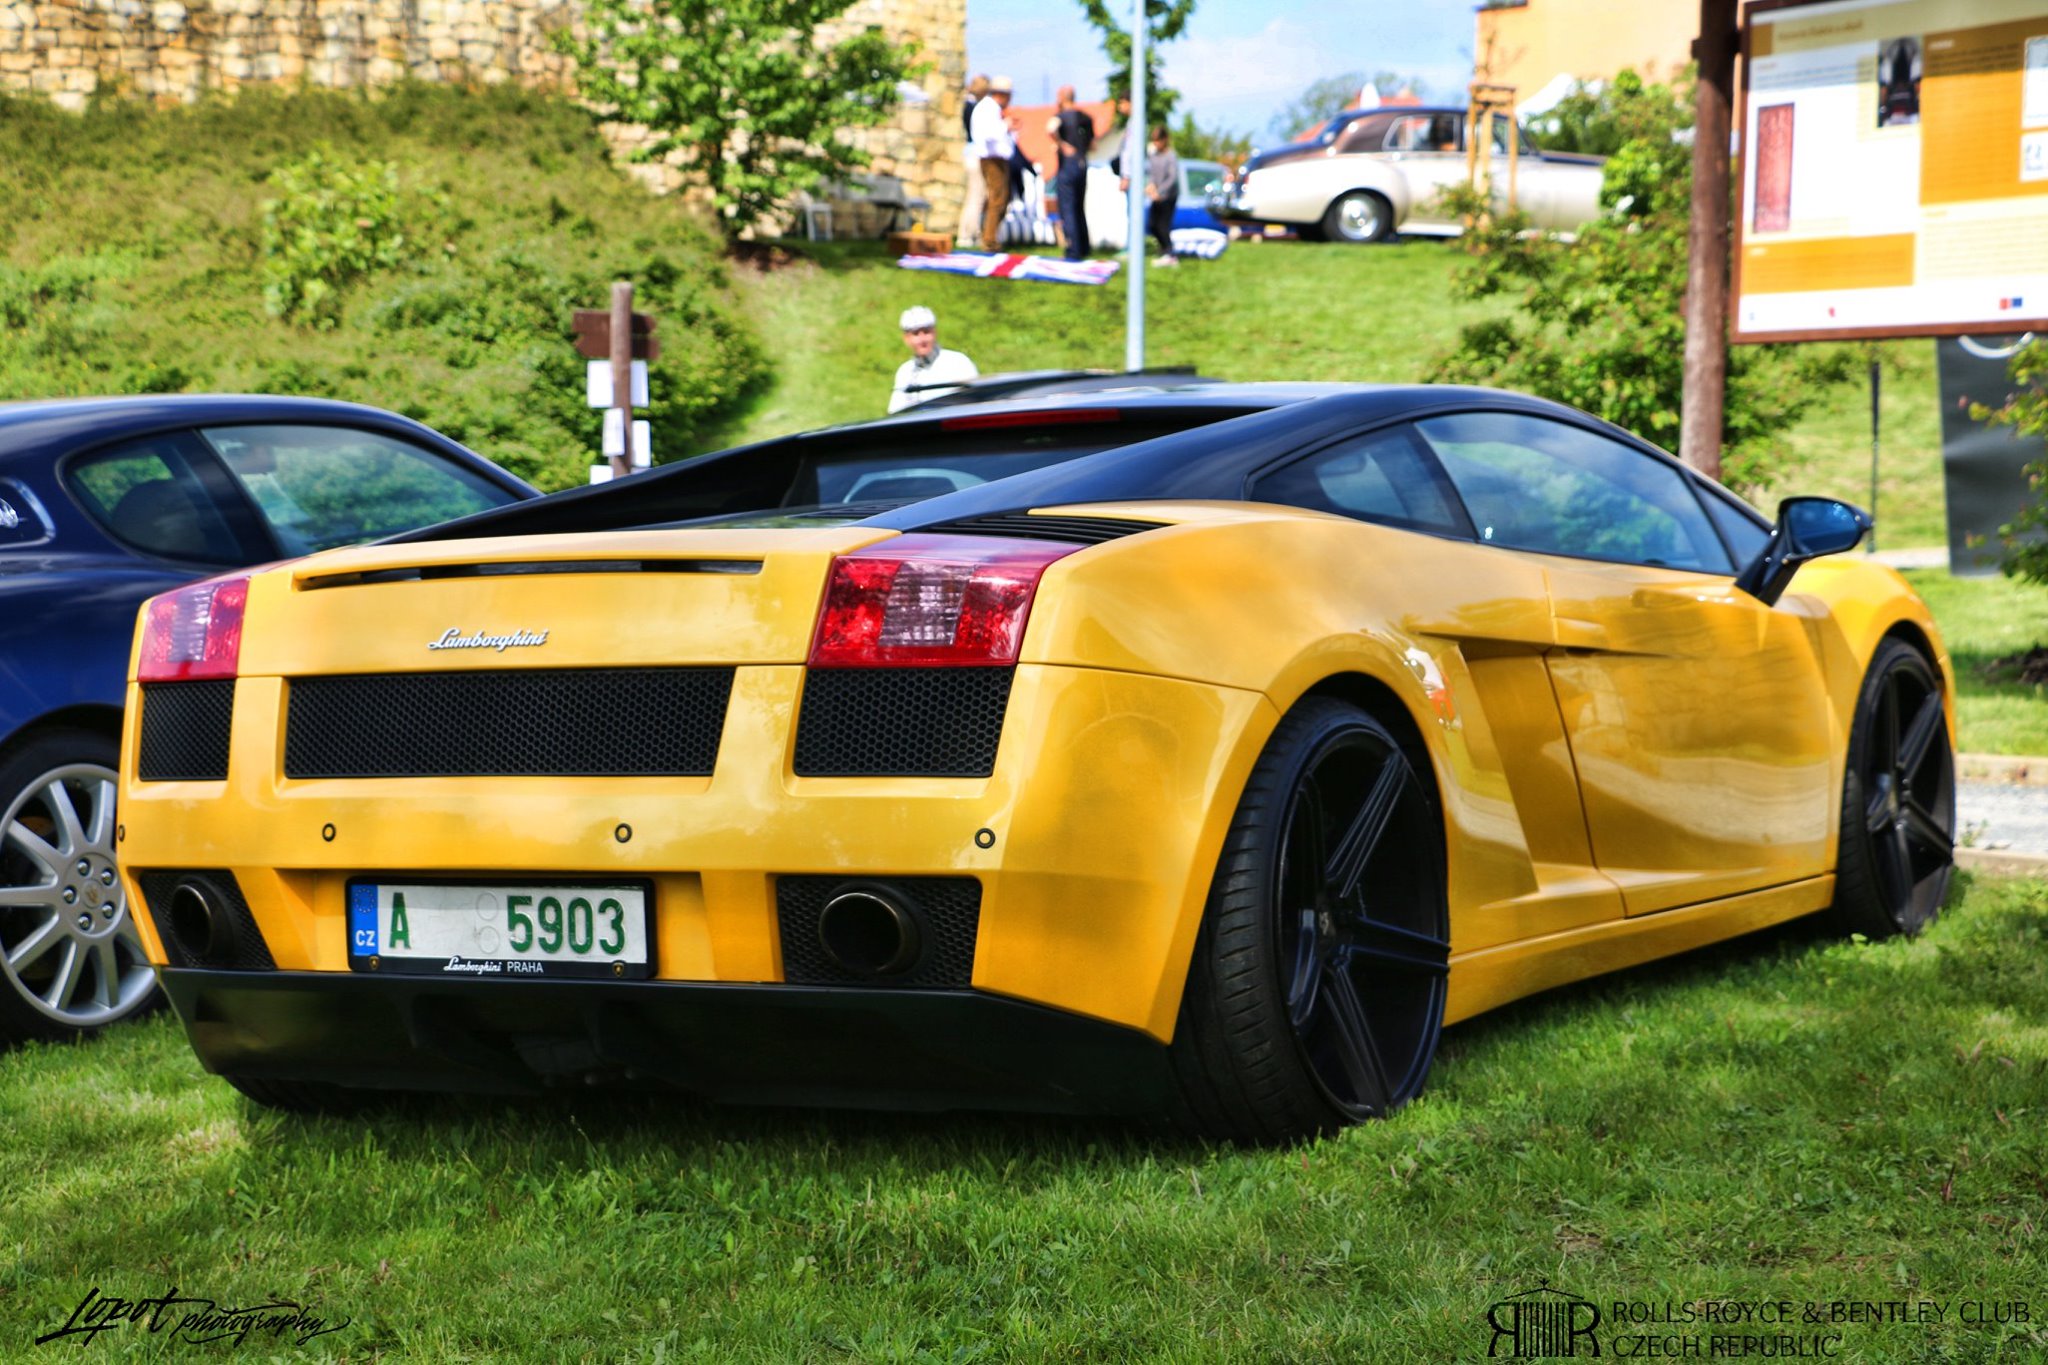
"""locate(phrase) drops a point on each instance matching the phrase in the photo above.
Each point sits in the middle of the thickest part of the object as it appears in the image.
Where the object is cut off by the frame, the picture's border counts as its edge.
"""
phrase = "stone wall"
(176, 50)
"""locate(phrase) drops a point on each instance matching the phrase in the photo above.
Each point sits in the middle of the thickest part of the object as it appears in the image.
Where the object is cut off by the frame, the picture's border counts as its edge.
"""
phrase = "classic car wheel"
(1898, 800)
(71, 961)
(1317, 992)
(1360, 216)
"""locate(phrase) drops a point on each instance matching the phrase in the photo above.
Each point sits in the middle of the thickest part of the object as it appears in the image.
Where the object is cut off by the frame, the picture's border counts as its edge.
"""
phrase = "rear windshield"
(941, 463)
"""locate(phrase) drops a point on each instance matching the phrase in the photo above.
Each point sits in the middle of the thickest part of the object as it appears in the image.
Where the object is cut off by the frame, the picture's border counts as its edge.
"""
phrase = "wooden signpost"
(621, 336)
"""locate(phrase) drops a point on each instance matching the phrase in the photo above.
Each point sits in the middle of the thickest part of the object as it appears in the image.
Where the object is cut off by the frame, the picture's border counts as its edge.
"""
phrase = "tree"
(1332, 95)
(2025, 537)
(1598, 323)
(1193, 141)
(743, 88)
(1164, 19)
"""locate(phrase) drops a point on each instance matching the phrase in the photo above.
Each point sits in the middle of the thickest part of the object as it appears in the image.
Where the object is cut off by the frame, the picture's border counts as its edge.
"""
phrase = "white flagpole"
(1137, 141)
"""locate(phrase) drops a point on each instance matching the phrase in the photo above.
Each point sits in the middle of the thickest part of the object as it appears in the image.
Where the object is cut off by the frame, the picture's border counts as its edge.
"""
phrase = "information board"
(1894, 169)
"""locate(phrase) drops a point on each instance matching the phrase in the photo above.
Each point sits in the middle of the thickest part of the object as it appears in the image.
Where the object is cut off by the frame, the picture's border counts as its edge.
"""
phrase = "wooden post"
(622, 370)
(1706, 292)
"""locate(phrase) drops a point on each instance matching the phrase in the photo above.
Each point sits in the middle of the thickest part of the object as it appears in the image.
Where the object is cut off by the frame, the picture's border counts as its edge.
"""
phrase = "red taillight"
(926, 601)
(195, 632)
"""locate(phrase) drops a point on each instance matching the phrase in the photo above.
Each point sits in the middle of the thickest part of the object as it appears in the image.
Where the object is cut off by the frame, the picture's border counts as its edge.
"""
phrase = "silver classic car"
(1369, 173)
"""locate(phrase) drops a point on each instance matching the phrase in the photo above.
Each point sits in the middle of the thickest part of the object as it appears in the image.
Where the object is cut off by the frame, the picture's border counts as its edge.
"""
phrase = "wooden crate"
(920, 243)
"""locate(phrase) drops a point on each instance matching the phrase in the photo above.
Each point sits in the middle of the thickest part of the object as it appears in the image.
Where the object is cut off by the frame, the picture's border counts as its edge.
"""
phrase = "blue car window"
(1378, 477)
(1534, 484)
(153, 496)
(317, 487)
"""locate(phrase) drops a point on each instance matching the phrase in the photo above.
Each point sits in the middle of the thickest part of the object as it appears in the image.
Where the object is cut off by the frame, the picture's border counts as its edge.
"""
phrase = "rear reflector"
(925, 600)
(194, 632)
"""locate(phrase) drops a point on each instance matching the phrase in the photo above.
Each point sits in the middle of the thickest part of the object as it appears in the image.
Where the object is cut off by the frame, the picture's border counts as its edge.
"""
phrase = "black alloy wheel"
(1316, 998)
(1898, 800)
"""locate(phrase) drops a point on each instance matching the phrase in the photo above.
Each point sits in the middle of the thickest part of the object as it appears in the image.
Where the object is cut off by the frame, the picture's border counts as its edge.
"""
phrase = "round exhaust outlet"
(870, 931)
(196, 922)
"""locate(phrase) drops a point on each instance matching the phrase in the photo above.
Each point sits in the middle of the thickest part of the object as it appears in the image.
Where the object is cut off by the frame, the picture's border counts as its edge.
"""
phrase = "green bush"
(1598, 323)
(2025, 537)
(333, 222)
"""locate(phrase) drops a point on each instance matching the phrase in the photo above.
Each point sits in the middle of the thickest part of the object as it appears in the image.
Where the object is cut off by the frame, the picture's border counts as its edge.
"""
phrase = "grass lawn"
(1785, 1118)
(1270, 310)
(1985, 620)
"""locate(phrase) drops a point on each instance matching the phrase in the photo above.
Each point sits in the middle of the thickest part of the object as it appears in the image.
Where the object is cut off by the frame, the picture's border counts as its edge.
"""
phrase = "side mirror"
(1807, 529)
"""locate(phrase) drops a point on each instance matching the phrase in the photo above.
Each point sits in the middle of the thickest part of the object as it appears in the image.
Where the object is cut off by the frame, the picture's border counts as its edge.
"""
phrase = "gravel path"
(2002, 816)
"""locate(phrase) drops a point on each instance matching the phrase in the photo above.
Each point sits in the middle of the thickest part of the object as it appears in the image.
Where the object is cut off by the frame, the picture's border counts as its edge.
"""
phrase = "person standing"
(1162, 192)
(931, 369)
(977, 191)
(1075, 138)
(995, 145)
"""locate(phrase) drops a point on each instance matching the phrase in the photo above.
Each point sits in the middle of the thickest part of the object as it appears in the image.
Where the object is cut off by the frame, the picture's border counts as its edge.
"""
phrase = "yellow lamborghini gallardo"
(1197, 751)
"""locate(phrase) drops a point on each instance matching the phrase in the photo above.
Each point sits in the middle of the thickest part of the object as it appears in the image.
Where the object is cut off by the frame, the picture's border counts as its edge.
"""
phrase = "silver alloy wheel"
(1359, 218)
(67, 946)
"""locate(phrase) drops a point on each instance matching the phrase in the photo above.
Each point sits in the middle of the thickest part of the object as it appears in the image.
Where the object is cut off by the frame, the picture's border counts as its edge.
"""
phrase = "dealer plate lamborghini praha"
(519, 931)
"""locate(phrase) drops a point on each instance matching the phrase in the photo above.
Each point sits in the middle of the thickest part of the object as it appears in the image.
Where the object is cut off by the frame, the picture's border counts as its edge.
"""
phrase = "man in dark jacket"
(1076, 136)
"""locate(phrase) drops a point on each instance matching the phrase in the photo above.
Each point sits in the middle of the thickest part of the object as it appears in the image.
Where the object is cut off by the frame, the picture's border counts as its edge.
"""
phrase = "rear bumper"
(1092, 841)
(773, 1044)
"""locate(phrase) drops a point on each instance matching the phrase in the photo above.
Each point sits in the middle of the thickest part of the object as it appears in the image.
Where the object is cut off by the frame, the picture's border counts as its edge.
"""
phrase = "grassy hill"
(1266, 310)
(130, 261)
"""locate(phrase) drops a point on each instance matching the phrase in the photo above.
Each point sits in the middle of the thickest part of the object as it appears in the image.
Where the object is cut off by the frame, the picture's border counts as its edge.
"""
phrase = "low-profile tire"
(1360, 217)
(71, 961)
(1316, 993)
(1897, 844)
(301, 1097)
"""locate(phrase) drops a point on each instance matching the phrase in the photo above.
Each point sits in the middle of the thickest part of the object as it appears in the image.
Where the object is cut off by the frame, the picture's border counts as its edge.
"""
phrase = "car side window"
(318, 487)
(159, 495)
(1534, 484)
(1382, 477)
(1423, 133)
(1734, 521)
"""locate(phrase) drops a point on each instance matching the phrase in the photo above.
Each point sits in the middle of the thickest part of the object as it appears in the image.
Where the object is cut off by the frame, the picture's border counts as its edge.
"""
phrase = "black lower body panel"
(852, 1047)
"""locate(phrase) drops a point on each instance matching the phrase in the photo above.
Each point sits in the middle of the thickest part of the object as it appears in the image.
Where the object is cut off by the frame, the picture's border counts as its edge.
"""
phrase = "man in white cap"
(990, 129)
(931, 370)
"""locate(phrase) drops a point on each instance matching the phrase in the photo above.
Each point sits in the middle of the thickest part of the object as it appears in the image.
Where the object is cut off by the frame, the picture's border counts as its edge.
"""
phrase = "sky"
(1239, 61)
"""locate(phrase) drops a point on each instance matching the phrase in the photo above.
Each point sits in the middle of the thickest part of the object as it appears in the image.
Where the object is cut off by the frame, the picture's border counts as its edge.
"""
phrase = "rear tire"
(1316, 994)
(1360, 217)
(1897, 845)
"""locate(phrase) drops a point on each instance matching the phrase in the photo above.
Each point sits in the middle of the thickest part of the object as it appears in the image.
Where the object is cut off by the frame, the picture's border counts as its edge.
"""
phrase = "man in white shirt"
(931, 370)
(990, 130)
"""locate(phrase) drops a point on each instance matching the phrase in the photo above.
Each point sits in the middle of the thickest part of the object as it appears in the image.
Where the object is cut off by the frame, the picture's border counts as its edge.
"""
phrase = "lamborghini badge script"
(453, 638)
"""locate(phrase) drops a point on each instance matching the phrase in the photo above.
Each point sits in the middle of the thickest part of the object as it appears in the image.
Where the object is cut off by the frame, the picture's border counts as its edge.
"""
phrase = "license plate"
(521, 931)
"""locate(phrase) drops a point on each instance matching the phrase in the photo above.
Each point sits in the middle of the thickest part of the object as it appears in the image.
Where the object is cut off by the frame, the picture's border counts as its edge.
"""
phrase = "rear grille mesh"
(901, 722)
(542, 722)
(185, 731)
(948, 911)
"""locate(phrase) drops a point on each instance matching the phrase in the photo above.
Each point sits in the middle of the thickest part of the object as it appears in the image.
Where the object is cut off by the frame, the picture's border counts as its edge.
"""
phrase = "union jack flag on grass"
(1008, 266)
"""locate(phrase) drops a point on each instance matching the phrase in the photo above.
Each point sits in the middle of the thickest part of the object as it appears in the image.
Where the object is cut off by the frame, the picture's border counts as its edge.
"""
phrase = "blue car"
(105, 502)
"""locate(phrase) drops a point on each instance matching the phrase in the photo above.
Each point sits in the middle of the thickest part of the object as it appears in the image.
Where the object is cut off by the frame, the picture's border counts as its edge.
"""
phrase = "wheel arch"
(94, 717)
(1374, 697)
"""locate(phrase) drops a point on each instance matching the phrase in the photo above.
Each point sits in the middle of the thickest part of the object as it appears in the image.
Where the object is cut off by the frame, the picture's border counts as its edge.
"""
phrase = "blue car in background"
(105, 502)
